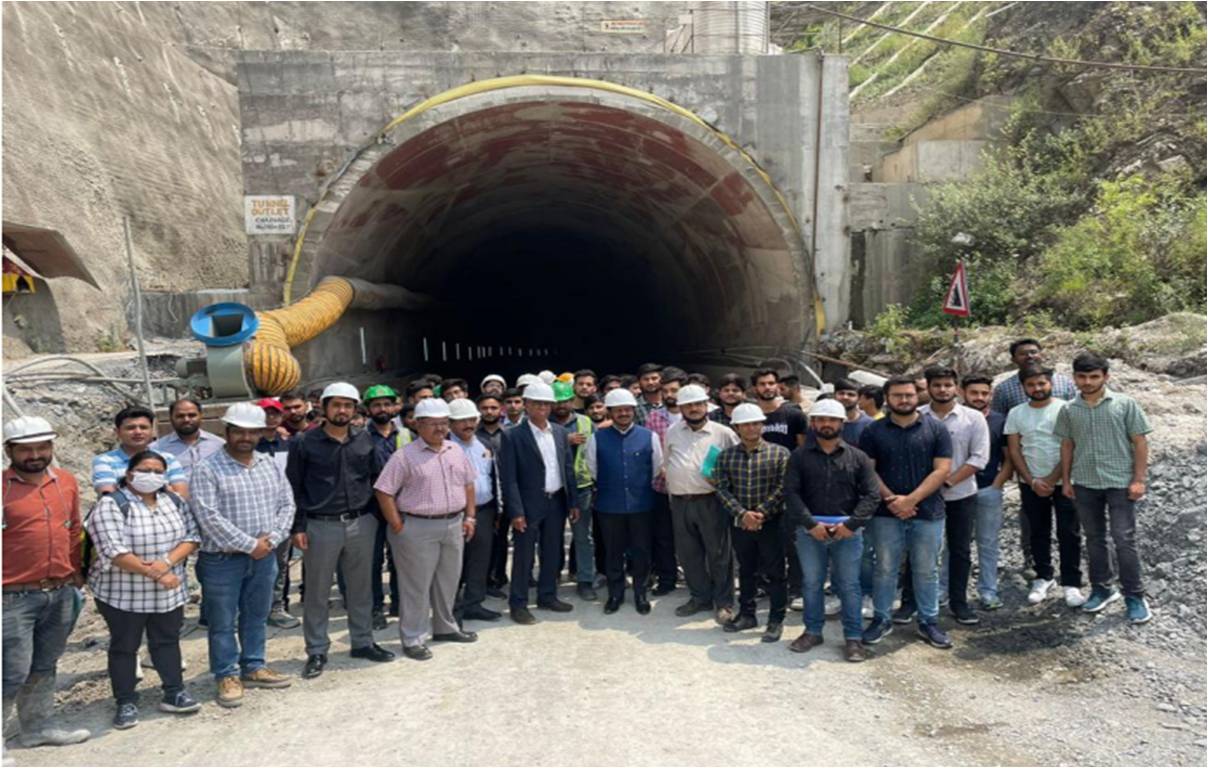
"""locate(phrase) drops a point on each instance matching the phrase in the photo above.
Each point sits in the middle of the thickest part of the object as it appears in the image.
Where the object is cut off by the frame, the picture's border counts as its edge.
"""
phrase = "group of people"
(875, 494)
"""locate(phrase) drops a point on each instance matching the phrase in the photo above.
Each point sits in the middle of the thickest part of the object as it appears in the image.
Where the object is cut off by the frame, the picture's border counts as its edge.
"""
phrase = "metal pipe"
(138, 314)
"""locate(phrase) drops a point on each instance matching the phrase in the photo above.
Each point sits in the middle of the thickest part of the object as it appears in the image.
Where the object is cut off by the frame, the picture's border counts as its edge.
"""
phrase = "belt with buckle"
(342, 517)
(45, 585)
(449, 516)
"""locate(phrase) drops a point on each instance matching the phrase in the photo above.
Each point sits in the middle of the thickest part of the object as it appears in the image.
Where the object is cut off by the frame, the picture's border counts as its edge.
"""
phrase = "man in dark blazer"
(536, 468)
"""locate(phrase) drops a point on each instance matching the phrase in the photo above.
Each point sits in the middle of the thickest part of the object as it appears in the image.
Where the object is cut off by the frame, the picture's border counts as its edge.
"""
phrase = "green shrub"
(1137, 255)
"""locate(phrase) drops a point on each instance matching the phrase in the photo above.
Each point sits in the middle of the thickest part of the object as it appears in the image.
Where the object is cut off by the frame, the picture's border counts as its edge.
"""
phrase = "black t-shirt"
(783, 425)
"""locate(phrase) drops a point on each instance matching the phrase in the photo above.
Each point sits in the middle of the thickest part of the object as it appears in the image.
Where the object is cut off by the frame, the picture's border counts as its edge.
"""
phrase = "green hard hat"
(378, 391)
(563, 391)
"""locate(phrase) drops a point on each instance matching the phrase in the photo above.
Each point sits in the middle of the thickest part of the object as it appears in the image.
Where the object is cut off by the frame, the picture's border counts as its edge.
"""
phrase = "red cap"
(271, 402)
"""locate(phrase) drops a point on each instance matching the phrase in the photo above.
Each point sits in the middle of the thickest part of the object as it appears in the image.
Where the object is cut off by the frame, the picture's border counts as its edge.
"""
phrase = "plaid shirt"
(1009, 392)
(235, 503)
(110, 467)
(643, 411)
(658, 422)
(148, 534)
(752, 480)
(1102, 436)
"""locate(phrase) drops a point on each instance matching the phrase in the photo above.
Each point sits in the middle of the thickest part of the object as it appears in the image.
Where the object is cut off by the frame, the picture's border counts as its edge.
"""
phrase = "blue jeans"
(920, 540)
(239, 590)
(868, 566)
(585, 549)
(844, 559)
(36, 626)
(989, 522)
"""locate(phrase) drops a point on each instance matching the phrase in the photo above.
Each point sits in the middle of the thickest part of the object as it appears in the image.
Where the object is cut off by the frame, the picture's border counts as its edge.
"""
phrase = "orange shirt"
(42, 527)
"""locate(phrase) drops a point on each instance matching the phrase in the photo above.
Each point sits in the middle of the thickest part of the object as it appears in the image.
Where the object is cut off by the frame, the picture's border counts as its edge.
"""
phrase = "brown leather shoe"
(230, 691)
(854, 650)
(805, 642)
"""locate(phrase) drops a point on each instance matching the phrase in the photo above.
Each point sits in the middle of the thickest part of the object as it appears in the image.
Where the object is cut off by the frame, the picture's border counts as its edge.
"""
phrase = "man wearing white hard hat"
(427, 495)
(463, 424)
(538, 478)
(624, 459)
(331, 470)
(244, 508)
(831, 492)
(750, 485)
(702, 528)
(42, 567)
(493, 384)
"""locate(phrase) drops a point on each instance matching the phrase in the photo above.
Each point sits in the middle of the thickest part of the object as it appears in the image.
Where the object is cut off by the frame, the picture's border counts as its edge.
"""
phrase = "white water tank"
(730, 27)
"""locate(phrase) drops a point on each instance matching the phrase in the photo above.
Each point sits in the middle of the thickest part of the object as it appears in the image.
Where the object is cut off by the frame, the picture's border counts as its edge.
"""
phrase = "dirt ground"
(587, 689)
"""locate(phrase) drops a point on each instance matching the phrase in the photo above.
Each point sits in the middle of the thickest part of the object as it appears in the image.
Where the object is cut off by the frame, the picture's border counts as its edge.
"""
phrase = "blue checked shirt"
(235, 504)
(110, 466)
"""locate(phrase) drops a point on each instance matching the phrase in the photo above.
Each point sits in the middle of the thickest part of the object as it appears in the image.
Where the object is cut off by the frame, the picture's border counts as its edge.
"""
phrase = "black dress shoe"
(379, 620)
(740, 623)
(663, 589)
(497, 593)
(373, 652)
(641, 604)
(587, 594)
(455, 637)
(478, 613)
(417, 652)
(523, 616)
(612, 605)
(556, 605)
(314, 665)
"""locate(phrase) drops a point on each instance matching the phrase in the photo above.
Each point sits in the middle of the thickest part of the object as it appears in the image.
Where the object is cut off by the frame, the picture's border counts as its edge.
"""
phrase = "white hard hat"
(828, 408)
(341, 389)
(692, 393)
(246, 415)
(539, 392)
(28, 429)
(461, 408)
(547, 376)
(493, 377)
(525, 379)
(432, 408)
(619, 397)
(746, 413)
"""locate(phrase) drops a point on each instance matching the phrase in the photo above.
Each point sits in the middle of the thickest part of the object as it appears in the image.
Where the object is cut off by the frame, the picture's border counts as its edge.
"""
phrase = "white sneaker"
(1074, 597)
(1040, 590)
(866, 609)
(797, 604)
(832, 605)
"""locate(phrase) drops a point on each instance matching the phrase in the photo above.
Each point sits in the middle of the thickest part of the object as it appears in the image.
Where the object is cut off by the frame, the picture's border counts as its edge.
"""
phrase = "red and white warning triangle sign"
(957, 302)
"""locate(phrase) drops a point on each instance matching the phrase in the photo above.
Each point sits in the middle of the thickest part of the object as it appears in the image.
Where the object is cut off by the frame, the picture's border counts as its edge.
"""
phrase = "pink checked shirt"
(426, 481)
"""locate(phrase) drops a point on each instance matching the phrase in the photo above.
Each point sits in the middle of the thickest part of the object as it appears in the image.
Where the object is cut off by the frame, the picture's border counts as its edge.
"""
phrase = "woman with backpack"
(142, 533)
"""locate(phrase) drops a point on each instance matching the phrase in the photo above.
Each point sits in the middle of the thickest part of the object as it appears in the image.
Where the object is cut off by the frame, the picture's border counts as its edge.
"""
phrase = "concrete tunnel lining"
(573, 219)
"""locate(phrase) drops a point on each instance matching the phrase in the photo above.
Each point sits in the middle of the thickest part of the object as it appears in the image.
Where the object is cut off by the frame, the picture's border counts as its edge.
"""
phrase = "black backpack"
(88, 553)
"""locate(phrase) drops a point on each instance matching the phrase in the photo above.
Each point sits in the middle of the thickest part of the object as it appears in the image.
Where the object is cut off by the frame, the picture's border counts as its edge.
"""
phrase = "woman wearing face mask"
(142, 534)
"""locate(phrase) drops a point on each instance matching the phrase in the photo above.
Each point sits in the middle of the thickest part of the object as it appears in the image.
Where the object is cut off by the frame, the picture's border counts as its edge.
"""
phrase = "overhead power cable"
(1005, 52)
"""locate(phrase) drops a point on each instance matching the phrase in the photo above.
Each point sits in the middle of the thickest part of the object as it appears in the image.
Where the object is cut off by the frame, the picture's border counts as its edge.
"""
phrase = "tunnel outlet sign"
(269, 215)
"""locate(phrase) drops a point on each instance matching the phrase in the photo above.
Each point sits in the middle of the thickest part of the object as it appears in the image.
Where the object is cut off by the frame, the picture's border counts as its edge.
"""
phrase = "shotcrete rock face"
(599, 225)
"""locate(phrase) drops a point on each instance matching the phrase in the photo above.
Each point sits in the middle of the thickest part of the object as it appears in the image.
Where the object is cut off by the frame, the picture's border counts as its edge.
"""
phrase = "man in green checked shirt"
(1104, 461)
(750, 486)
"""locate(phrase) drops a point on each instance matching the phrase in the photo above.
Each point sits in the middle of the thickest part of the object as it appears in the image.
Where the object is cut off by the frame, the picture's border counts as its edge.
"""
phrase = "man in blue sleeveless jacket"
(624, 460)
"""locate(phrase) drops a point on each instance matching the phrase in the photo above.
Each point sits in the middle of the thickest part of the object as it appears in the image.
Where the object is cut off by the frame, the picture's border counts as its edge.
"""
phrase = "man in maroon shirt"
(41, 572)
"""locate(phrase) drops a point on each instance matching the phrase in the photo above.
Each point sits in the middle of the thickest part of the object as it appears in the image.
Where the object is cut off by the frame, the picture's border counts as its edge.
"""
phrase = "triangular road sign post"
(957, 301)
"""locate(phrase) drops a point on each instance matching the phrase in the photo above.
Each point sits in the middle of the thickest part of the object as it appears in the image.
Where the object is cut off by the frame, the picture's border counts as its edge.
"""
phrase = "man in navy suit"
(536, 468)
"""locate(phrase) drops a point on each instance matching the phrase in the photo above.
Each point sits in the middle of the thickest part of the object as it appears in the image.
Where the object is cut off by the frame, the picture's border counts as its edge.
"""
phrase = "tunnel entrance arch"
(594, 221)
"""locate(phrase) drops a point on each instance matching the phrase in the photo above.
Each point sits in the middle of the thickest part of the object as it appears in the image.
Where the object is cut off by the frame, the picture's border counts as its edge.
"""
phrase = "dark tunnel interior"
(600, 234)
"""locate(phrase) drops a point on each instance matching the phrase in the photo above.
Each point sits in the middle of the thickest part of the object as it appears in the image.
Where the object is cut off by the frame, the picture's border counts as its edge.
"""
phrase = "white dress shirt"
(549, 454)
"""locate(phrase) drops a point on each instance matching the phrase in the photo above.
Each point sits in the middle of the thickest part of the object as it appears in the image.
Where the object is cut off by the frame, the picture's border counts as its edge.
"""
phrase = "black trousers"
(382, 555)
(662, 541)
(497, 573)
(476, 558)
(597, 537)
(626, 533)
(542, 539)
(126, 631)
(960, 522)
(761, 553)
(1039, 511)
